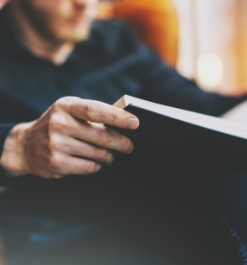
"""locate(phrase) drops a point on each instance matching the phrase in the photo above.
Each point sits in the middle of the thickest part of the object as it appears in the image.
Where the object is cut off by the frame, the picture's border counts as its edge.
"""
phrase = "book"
(208, 122)
(184, 138)
(237, 113)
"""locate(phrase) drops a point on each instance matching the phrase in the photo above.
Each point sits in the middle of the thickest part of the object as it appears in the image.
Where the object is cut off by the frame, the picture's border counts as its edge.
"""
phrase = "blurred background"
(213, 43)
(204, 39)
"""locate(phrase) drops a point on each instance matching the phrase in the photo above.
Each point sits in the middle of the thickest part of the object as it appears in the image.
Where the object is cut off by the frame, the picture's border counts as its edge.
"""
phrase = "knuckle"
(90, 111)
(100, 153)
(54, 162)
(58, 102)
(56, 106)
(61, 101)
(92, 167)
(53, 143)
(115, 118)
(53, 121)
(104, 137)
(56, 122)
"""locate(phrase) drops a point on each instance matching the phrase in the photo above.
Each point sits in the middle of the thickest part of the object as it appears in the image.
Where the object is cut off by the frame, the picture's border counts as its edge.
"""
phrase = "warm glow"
(209, 70)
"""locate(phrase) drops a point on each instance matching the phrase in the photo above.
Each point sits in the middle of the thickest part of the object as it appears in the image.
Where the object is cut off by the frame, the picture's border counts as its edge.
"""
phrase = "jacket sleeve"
(4, 131)
(5, 128)
(165, 85)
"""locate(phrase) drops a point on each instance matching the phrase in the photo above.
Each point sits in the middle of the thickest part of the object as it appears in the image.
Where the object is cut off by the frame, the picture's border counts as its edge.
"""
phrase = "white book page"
(238, 113)
(214, 123)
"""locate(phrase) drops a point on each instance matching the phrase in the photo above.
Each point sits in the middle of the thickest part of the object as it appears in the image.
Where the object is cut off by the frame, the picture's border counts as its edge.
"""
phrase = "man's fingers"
(95, 111)
(102, 136)
(74, 147)
(67, 165)
(92, 133)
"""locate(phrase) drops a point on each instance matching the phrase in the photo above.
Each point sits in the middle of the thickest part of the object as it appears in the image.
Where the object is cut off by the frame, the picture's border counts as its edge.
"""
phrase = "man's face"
(61, 20)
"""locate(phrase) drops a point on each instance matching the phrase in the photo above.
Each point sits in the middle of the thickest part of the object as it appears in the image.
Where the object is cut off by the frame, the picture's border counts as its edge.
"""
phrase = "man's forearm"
(13, 157)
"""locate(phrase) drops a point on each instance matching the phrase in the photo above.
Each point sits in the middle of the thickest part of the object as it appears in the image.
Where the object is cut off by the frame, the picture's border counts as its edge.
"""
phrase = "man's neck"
(56, 53)
(53, 51)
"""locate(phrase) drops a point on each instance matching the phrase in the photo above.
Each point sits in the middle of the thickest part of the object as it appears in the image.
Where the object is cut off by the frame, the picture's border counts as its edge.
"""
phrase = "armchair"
(155, 22)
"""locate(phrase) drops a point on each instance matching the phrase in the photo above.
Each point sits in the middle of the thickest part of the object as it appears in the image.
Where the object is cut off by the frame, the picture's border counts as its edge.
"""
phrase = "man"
(54, 62)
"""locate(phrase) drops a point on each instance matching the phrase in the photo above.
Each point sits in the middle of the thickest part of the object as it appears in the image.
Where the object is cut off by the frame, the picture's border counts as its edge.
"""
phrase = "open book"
(186, 136)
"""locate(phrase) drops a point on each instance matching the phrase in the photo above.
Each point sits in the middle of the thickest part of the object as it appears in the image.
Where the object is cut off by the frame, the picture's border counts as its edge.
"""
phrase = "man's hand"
(69, 138)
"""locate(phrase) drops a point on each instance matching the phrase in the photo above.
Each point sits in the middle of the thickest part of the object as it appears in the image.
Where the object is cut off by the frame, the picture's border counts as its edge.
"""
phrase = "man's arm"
(165, 85)
(69, 138)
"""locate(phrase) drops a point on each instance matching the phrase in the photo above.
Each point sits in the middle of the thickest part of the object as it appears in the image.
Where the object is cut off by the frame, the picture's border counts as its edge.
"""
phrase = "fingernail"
(132, 123)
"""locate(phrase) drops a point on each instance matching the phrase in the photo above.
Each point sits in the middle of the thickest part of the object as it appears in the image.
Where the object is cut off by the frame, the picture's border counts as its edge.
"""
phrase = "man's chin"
(75, 35)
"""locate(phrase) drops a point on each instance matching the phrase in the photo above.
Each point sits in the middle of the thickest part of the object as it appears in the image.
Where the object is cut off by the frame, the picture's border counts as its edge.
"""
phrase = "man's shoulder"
(111, 27)
(113, 35)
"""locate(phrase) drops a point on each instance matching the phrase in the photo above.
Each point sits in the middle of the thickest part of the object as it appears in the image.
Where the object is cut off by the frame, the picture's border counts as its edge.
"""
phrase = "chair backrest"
(155, 22)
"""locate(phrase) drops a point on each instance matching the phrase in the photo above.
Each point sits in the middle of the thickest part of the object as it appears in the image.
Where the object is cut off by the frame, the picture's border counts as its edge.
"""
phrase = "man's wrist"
(13, 156)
